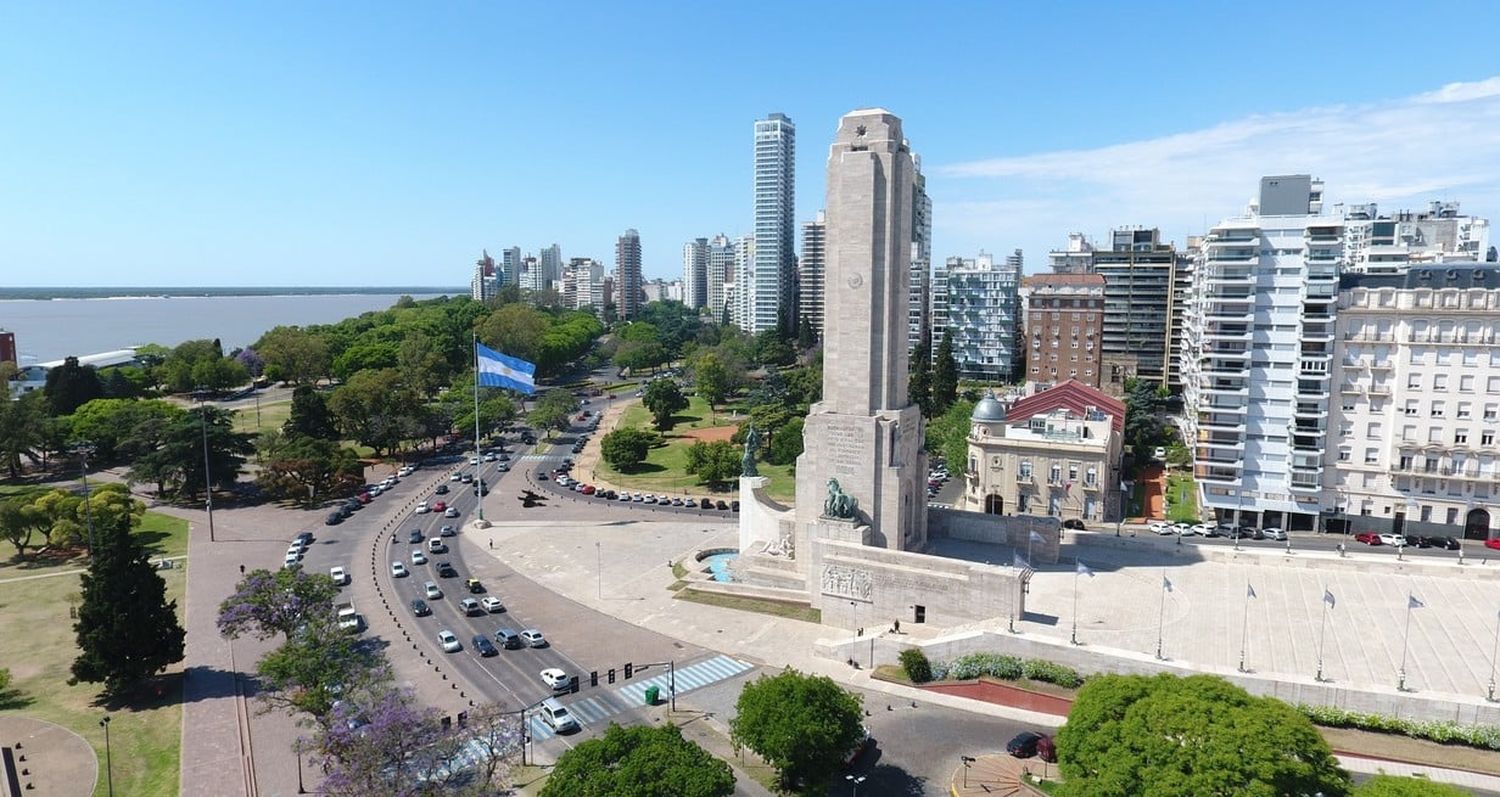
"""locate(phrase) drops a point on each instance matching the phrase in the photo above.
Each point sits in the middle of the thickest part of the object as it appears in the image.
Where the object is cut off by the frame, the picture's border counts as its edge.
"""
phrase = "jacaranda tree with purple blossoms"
(265, 604)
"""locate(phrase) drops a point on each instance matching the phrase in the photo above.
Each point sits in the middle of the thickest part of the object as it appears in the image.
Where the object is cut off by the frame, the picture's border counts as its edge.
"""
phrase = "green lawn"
(145, 739)
(665, 470)
(272, 415)
(696, 416)
(1182, 497)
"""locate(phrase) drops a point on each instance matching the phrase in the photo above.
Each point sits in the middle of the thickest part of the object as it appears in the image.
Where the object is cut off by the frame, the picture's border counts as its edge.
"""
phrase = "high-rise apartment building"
(628, 275)
(1389, 244)
(810, 273)
(919, 300)
(1413, 429)
(742, 307)
(1064, 323)
(695, 273)
(721, 263)
(583, 284)
(1257, 356)
(485, 285)
(531, 278)
(551, 263)
(769, 279)
(982, 301)
(510, 264)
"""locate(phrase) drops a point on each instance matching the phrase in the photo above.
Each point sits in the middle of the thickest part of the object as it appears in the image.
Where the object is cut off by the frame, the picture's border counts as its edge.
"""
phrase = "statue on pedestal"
(839, 504)
(752, 447)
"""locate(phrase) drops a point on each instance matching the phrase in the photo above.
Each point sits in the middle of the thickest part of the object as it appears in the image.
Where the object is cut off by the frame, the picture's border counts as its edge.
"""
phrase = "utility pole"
(208, 482)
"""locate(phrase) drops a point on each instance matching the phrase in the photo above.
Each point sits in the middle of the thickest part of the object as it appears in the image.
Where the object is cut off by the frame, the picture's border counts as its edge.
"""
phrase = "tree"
(714, 463)
(183, 366)
(265, 604)
(771, 348)
(807, 337)
(294, 354)
(786, 443)
(919, 380)
(421, 363)
(378, 410)
(364, 357)
(176, 461)
(70, 385)
(1164, 736)
(948, 433)
(804, 725)
(219, 374)
(625, 448)
(664, 398)
(21, 428)
(316, 665)
(310, 416)
(641, 761)
(106, 422)
(20, 523)
(552, 411)
(127, 630)
(517, 330)
(944, 375)
(1144, 429)
(254, 364)
(307, 469)
(714, 379)
(1397, 786)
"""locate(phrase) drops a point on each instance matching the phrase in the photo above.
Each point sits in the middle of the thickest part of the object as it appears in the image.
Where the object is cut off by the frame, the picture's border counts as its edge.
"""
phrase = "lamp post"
(967, 760)
(1494, 656)
(300, 788)
(84, 449)
(109, 767)
(598, 571)
(208, 488)
(855, 781)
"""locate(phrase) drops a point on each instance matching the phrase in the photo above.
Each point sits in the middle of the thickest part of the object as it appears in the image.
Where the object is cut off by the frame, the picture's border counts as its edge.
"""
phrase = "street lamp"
(855, 781)
(967, 761)
(300, 788)
(109, 767)
(208, 488)
(84, 449)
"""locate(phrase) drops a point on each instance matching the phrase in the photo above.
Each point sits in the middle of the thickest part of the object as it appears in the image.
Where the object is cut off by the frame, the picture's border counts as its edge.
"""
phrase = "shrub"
(916, 665)
(1486, 737)
(994, 665)
(1052, 673)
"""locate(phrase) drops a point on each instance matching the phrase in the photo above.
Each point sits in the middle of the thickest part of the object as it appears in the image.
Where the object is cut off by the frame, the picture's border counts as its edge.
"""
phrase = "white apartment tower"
(1257, 356)
(695, 273)
(741, 307)
(486, 283)
(769, 279)
(721, 261)
(810, 273)
(981, 309)
(919, 299)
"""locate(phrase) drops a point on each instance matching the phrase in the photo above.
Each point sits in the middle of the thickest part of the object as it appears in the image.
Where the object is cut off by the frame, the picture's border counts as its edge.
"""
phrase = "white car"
(1163, 529)
(533, 638)
(423, 509)
(492, 604)
(489, 457)
(1183, 529)
(1393, 539)
(455, 477)
(293, 556)
(447, 531)
(339, 575)
(555, 678)
(1201, 529)
(473, 460)
(1159, 453)
(449, 641)
(417, 557)
(451, 511)
(436, 545)
(470, 607)
(433, 593)
(398, 570)
(1274, 534)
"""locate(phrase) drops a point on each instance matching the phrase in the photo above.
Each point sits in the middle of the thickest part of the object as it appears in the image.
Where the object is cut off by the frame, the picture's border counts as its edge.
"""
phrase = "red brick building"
(1064, 327)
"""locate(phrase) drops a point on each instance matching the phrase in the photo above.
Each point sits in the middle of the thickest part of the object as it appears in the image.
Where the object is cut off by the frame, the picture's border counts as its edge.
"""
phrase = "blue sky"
(339, 143)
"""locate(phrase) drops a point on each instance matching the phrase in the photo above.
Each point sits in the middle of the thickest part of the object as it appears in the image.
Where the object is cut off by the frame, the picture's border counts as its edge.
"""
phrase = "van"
(508, 639)
(557, 716)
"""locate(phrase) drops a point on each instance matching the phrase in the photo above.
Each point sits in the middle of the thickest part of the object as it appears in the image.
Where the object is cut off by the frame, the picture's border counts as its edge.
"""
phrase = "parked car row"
(562, 476)
(1409, 540)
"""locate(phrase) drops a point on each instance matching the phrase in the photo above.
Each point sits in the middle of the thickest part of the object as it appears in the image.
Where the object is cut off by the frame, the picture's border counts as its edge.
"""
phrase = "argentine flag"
(498, 370)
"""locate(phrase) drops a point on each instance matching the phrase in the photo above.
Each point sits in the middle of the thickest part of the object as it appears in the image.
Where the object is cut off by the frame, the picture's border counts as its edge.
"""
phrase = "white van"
(557, 716)
(436, 545)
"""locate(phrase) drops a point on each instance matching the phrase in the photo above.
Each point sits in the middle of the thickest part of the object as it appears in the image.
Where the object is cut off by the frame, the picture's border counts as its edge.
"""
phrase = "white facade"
(1413, 432)
(982, 301)
(583, 284)
(742, 307)
(695, 273)
(1388, 244)
(721, 259)
(769, 278)
(810, 273)
(551, 263)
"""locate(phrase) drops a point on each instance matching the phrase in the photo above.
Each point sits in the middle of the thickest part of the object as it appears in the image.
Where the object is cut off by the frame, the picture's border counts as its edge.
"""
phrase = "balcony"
(1023, 477)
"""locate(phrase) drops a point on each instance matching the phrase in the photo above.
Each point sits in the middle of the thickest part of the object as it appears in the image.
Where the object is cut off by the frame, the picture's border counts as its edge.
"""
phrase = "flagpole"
(1322, 631)
(1074, 638)
(1245, 629)
(1405, 637)
(478, 482)
(1494, 657)
(1161, 617)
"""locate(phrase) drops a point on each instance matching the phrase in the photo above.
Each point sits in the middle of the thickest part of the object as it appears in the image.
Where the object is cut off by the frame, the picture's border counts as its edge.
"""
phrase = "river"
(56, 328)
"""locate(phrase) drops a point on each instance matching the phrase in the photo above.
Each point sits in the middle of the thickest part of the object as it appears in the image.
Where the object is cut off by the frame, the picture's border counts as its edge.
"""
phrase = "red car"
(1495, 543)
(588, 489)
(1368, 538)
(363, 498)
(438, 506)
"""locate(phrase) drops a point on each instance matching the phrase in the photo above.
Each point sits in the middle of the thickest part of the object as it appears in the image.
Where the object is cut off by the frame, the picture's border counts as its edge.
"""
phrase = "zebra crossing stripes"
(587, 711)
(689, 678)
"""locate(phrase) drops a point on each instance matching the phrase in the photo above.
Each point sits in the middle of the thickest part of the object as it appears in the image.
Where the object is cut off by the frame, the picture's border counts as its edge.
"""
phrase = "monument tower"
(865, 433)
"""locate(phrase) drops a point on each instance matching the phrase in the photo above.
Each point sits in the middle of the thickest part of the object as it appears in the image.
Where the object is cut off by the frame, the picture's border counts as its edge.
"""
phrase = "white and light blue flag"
(499, 370)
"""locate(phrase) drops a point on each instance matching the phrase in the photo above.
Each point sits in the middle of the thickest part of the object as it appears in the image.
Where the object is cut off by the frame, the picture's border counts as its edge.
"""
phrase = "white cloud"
(1401, 153)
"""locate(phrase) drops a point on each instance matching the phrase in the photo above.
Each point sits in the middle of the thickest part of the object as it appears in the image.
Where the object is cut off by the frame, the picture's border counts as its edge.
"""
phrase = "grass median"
(36, 605)
(792, 611)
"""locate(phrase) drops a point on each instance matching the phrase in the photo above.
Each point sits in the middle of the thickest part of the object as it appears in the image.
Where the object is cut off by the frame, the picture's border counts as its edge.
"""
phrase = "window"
(1374, 431)
(1347, 405)
(1465, 409)
(1025, 472)
(1489, 412)
(1461, 437)
(1492, 385)
(1346, 430)
(1023, 503)
(1372, 456)
(1438, 408)
(1072, 472)
(1091, 477)
(1487, 438)
(1471, 357)
(1426, 514)
(1409, 433)
(1405, 462)
(1440, 382)
(1434, 434)
(1411, 407)
(1466, 383)
(1344, 455)
(1413, 381)
(1055, 476)
(1452, 516)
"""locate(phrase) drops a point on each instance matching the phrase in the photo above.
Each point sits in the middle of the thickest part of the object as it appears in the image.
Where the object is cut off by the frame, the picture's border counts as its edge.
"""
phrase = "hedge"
(1006, 668)
(916, 665)
(1485, 737)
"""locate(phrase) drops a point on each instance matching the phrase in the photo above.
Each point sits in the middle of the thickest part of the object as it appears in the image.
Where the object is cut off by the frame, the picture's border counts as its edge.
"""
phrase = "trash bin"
(653, 693)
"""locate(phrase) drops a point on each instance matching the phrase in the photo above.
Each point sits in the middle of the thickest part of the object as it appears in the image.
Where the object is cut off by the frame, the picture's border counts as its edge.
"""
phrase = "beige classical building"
(1414, 430)
(1055, 453)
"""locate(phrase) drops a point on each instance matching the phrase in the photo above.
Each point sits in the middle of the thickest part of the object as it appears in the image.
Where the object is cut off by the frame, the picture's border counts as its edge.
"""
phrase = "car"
(449, 642)
(436, 545)
(1046, 749)
(415, 536)
(540, 476)
(734, 506)
(557, 716)
(304, 539)
(455, 476)
(489, 457)
(292, 558)
(417, 557)
(468, 478)
(333, 519)
(1367, 537)
(375, 489)
(339, 575)
(352, 505)
(1203, 529)
(438, 506)
(705, 503)
(1493, 544)
(398, 570)
(470, 607)
(1393, 539)
(1073, 523)
(1273, 533)
(473, 460)
(363, 496)
(446, 570)
(441, 489)
(623, 497)
(492, 604)
(452, 511)
(587, 489)
(1158, 527)
(1023, 744)
(637, 498)
(533, 638)
(420, 608)
(432, 591)
(447, 531)
(1185, 529)
(1424, 542)
(563, 480)
(1159, 453)
(423, 509)
(483, 646)
(1446, 543)
(555, 678)
(474, 586)
(508, 639)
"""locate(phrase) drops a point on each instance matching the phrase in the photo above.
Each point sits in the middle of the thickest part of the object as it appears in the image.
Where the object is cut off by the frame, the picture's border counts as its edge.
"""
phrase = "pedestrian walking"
(242, 570)
(492, 545)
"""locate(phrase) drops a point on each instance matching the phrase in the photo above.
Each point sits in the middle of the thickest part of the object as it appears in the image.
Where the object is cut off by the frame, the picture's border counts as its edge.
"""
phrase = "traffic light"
(463, 718)
(573, 684)
(611, 675)
(593, 678)
(629, 670)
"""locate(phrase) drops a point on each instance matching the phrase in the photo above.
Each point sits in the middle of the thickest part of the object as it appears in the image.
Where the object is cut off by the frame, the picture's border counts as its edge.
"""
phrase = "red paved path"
(1001, 694)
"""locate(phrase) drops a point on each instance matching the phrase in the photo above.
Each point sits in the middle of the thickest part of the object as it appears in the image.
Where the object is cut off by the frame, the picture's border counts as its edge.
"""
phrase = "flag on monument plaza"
(1018, 560)
(1413, 603)
(1249, 590)
(1083, 570)
(1166, 584)
(1036, 537)
(1328, 597)
(499, 370)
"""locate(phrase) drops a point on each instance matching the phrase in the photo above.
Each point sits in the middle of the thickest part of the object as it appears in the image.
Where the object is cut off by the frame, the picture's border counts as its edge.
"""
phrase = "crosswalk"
(603, 705)
(540, 457)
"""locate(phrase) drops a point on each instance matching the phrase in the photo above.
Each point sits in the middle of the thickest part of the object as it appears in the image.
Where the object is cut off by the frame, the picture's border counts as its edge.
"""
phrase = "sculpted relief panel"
(847, 582)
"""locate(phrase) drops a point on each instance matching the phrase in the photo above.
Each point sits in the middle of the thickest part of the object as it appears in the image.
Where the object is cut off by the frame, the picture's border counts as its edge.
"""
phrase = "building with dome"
(1055, 453)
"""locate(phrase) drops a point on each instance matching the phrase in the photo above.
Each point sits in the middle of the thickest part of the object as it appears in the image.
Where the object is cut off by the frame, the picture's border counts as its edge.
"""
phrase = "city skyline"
(360, 157)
